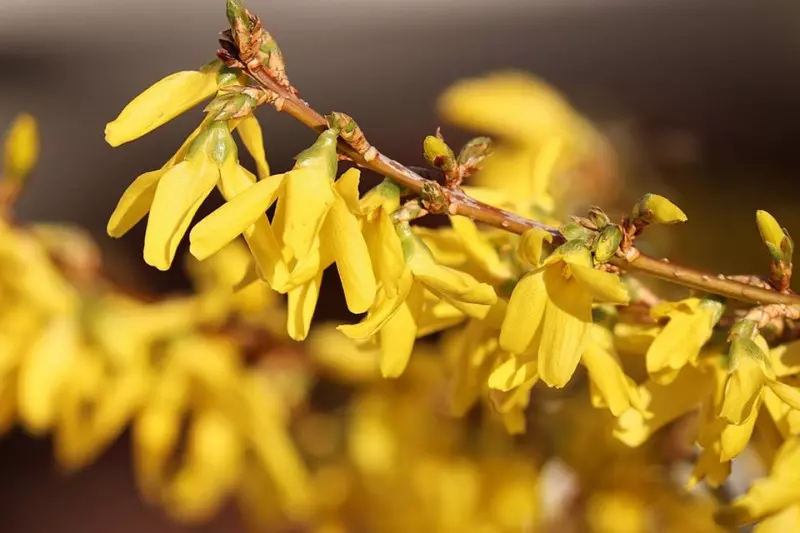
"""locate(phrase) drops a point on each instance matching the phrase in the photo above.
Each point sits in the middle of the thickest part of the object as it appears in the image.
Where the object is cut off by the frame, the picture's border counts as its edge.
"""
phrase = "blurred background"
(699, 97)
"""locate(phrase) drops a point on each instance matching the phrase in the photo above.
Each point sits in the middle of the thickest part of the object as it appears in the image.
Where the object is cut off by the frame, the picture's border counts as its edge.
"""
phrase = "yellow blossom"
(691, 323)
(397, 313)
(550, 311)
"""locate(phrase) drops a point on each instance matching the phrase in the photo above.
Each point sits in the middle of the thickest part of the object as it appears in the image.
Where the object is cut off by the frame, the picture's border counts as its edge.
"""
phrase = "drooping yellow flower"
(20, 148)
(691, 323)
(163, 101)
(315, 225)
(610, 386)
(400, 309)
(550, 311)
(750, 373)
(777, 493)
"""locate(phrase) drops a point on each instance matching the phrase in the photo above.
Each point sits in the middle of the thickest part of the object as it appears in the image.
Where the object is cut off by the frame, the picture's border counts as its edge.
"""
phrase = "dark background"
(702, 99)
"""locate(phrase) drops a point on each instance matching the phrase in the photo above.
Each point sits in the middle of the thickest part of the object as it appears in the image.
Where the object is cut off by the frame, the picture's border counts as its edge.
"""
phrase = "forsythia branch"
(459, 203)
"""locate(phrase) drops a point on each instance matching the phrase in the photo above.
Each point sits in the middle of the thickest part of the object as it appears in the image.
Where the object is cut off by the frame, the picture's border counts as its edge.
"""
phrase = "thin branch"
(459, 203)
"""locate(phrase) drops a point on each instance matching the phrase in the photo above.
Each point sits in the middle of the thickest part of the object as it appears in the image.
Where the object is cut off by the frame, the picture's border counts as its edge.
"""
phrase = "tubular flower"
(173, 194)
(401, 310)
(750, 374)
(550, 311)
(776, 497)
(610, 386)
(315, 225)
(691, 323)
(163, 101)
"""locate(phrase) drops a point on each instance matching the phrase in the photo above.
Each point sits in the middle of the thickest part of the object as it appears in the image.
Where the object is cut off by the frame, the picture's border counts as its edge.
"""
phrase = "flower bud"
(778, 242)
(655, 208)
(21, 148)
(607, 243)
(438, 154)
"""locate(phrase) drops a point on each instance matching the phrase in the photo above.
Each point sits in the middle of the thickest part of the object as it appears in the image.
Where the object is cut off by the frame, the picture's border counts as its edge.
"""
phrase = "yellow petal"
(454, 286)
(43, 373)
(788, 394)
(160, 103)
(606, 373)
(735, 438)
(347, 187)
(605, 287)
(305, 201)
(134, 204)
(301, 306)
(385, 307)
(567, 318)
(398, 335)
(21, 148)
(250, 132)
(664, 403)
(524, 313)
(179, 194)
(531, 244)
(234, 217)
(386, 252)
(259, 236)
(479, 249)
(352, 257)
(742, 391)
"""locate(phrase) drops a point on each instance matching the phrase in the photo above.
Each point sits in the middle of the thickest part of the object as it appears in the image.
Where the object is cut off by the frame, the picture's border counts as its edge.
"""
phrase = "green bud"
(655, 208)
(438, 154)
(776, 239)
(237, 14)
(573, 231)
(598, 217)
(475, 151)
(607, 243)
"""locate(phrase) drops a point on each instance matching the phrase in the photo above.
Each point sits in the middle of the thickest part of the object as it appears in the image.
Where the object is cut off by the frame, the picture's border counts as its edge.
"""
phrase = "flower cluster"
(483, 371)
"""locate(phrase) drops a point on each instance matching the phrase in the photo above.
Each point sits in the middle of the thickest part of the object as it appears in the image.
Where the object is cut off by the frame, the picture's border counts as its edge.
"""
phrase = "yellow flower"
(400, 309)
(664, 403)
(610, 386)
(749, 374)
(547, 140)
(315, 223)
(550, 311)
(21, 148)
(162, 102)
(691, 323)
(772, 495)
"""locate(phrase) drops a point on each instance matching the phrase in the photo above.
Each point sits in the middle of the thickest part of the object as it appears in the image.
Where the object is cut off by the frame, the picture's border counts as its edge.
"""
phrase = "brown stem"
(462, 204)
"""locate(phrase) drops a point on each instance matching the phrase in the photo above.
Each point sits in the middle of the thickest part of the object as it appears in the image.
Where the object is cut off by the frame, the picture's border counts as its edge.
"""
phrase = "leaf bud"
(438, 154)
(655, 208)
(607, 243)
(475, 151)
(598, 217)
